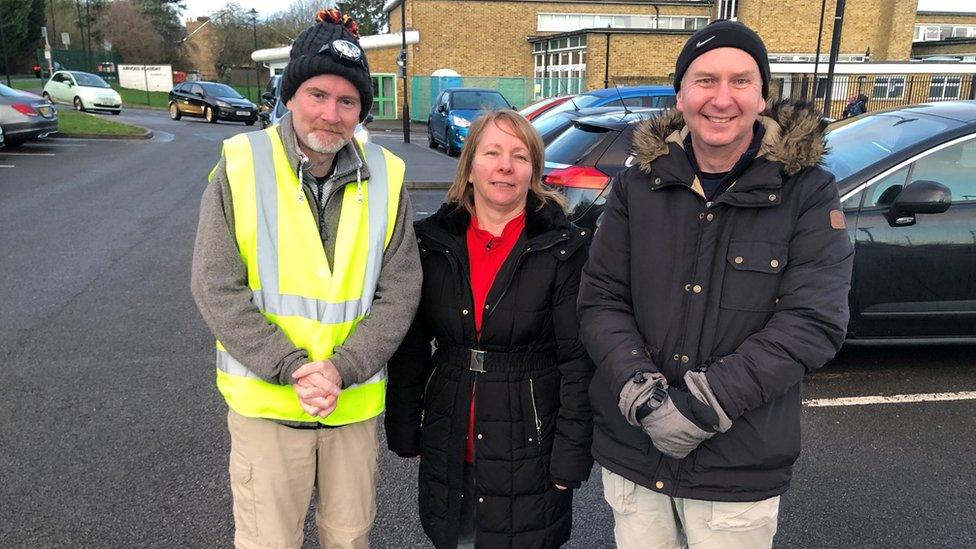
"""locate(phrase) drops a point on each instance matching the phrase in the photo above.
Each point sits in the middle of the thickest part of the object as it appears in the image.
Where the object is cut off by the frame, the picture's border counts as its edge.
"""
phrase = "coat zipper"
(424, 396)
(535, 413)
(508, 283)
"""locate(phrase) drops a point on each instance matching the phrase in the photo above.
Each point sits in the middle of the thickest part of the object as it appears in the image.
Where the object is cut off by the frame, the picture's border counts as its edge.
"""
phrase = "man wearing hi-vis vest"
(306, 270)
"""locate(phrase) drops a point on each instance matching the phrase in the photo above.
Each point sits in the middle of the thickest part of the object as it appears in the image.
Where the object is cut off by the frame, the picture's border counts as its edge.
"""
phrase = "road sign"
(65, 39)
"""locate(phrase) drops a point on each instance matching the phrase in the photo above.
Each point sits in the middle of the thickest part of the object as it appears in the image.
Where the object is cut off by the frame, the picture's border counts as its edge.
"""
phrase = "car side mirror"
(368, 119)
(69, 83)
(920, 197)
(268, 96)
(442, 109)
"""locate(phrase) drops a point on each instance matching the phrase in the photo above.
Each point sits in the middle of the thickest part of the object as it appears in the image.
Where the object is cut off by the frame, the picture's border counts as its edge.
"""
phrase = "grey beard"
(313, 142)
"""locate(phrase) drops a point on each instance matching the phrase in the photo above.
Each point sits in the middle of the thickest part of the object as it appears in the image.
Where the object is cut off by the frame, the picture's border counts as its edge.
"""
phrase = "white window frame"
(888, 81)
(568, 22)
(944, 82)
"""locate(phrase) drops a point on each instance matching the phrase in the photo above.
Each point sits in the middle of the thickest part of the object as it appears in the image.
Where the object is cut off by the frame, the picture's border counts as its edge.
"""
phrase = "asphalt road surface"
(113, 435)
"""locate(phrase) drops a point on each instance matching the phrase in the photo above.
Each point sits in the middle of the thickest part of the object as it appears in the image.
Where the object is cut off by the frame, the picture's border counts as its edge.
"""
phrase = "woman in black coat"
(504, 476)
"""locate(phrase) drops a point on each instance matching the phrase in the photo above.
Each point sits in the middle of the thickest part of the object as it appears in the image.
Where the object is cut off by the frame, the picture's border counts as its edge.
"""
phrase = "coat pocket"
(743, 516)
(752, 275)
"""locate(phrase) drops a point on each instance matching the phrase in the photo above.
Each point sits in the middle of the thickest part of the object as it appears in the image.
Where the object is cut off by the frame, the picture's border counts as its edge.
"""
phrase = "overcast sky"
(195, 8)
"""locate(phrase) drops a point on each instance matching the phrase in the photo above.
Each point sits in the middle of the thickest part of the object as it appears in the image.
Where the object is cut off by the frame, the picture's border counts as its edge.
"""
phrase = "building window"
(568, 22)
(728, 9)
(566, 61)
(888, 87)
(932, 32)
(809, 57)
(945, 87)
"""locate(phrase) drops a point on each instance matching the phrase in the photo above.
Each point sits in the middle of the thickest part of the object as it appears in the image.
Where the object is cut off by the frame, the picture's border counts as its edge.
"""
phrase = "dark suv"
(211, 100)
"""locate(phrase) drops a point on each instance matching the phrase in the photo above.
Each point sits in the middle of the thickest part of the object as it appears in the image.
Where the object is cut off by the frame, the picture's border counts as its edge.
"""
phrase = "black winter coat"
(751, 288)
(533, 418)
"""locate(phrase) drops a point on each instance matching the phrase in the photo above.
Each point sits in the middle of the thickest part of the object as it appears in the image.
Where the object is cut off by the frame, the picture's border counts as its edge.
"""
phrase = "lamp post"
(403, 53)
(257, 69)
(834, 48)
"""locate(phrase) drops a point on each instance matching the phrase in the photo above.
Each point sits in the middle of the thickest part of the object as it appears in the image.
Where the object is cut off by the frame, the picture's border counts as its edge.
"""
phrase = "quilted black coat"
(533, 422)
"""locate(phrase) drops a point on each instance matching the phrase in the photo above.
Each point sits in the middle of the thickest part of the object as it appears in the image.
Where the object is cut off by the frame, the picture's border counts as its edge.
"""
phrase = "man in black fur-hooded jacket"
(717, 279)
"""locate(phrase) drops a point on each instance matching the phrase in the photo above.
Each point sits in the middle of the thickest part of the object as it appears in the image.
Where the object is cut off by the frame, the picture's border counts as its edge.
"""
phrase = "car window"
(551, 126)
(8, 92)
(478, 100)
(856, 145)
(574, 144)
(952, 166)
(90, 80)
(627, 101)
(442, 99)
(221, 90)
(660, 101)
(577, 102)
(197, 89)
(884, 191)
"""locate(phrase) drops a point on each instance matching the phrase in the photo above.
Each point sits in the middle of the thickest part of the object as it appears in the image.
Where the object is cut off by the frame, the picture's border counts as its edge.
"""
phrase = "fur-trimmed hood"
(794, 136)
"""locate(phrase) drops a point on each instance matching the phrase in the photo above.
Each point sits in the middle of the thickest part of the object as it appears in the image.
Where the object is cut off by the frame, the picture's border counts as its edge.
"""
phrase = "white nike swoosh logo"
(703, 42)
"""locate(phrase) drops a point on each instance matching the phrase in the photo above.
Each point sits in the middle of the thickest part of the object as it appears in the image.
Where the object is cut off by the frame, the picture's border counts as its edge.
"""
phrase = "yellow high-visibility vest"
(315, 304)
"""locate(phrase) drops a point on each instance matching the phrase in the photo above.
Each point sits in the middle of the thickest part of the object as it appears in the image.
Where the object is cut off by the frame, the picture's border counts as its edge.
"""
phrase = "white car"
(83, 90)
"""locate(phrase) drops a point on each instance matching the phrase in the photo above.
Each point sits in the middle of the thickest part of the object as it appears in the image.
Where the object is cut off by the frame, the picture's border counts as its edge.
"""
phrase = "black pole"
(834, 46)
(403, 52)
(54, 26)
(3, 46)
(91, 58)
(257, 68)
(816, 60)
(606, 65)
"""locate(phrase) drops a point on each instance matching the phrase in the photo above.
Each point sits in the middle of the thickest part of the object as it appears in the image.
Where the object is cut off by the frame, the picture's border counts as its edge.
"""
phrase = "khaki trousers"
(646, 519)
(273, 469)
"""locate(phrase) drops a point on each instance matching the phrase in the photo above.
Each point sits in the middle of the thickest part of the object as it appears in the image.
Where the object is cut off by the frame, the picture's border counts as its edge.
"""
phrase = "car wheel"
(431, 142)
(449, 143)
(79, 106)
(210, 115)
(174, 111)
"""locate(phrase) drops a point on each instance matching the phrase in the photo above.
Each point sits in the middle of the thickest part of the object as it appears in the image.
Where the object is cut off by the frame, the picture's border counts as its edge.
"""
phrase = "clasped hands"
(685, 418)
(317, 385)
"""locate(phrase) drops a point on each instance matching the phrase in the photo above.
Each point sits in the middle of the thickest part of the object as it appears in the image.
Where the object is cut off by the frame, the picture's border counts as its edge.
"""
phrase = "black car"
(907, 180)
(211, 100)
(582, 158)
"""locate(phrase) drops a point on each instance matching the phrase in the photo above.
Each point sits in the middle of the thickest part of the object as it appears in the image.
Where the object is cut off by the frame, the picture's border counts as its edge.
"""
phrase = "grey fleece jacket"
(219, 278)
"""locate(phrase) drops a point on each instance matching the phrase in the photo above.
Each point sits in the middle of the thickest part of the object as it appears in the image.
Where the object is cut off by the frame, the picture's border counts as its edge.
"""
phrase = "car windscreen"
(89, 80)
(856, 145)
(221, 90)
(552, 126)
(577, 102)
(573, 144)
(280, 109)
(478, 100)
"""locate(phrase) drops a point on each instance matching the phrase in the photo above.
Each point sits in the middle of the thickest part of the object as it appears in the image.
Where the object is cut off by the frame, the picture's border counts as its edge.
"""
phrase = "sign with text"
(146, 77)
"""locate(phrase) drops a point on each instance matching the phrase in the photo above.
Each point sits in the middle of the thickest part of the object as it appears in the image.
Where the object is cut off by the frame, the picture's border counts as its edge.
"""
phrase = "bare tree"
(131, 33)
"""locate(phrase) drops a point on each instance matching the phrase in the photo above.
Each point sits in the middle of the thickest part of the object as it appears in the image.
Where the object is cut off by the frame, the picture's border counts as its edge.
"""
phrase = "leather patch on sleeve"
(837, 219)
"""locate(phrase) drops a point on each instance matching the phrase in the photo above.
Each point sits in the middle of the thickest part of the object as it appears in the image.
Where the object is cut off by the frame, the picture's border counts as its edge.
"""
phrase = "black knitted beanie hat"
(330, 46)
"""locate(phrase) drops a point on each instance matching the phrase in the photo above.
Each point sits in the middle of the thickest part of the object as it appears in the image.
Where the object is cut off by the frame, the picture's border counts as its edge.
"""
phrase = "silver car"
(24, 116)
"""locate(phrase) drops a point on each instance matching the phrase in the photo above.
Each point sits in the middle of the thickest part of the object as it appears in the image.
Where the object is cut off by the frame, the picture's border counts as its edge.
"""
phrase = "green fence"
(102, 62)
(519, 91)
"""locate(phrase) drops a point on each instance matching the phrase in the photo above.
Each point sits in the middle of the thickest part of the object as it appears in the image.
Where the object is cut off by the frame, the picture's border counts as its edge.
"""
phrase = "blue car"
(654, 97)
(454, 110)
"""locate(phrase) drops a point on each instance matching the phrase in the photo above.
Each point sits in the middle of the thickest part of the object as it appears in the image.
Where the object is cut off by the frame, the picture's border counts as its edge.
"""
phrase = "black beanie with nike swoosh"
(723, 34)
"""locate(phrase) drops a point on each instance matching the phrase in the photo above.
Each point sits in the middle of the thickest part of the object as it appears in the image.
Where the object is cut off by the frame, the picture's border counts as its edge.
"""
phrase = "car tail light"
(578, 177)
(24, 109)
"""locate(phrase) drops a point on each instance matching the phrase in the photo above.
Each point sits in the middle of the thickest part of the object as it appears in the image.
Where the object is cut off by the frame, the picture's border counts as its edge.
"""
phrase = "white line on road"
(5, 153)
(53, 145)
(891, 399)
(6, 166)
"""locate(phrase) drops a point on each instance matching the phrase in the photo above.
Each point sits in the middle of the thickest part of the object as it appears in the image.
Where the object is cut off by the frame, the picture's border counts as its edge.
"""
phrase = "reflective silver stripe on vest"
(230, 365)
(268, 298)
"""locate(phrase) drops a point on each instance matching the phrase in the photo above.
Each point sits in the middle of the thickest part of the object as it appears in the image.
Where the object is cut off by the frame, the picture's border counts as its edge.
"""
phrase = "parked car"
(534, 110)
(454, 110)
(658, 97)
(1, 138)
(212, 101)
(83, 90)
(273, 108)
(24, 115)
(581, 160)
(907, 181)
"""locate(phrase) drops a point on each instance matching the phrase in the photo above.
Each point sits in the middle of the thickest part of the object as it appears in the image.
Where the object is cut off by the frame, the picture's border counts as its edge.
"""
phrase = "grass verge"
(133, 98)
(79, 123)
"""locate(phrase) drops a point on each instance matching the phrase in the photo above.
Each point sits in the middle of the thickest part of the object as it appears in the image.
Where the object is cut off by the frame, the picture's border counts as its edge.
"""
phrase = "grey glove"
(686, 418)
(636, 391)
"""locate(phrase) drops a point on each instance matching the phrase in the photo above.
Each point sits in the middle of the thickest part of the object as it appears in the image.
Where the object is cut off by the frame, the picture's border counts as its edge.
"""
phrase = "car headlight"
(222, 103)
(460, 122)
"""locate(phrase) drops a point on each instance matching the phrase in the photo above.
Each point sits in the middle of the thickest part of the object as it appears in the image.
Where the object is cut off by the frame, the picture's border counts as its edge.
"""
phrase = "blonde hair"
(461, 191)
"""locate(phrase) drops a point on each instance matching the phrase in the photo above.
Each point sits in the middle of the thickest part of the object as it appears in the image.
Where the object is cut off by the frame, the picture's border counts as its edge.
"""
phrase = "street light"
(257, 69)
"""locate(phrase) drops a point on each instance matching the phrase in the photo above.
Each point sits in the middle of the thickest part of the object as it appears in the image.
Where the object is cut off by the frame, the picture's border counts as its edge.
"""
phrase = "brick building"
(587, 44)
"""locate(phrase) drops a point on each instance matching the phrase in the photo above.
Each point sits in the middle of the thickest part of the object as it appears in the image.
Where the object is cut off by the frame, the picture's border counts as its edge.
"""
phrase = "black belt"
(494, 361)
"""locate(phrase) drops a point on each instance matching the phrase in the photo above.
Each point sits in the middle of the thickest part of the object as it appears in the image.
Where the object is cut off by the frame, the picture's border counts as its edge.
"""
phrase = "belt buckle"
(477, 361)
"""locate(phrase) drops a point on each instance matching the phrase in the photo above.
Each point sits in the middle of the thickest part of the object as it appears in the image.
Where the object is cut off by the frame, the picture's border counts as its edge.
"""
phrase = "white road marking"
(890, 399)
(25, 154)
(6, 166)
(422, 213)
(50, 145)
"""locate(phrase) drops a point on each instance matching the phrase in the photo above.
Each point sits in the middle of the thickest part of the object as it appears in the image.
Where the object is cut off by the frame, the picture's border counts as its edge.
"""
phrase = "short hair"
(461, 191)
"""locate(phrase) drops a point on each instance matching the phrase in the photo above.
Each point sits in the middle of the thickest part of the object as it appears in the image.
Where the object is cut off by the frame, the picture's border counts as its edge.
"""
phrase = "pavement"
(112, 433)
